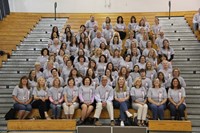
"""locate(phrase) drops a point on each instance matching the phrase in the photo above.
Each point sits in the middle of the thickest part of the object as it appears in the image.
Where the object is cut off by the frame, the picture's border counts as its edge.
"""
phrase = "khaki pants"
(70, 109)
(99, 108)
(141, 110)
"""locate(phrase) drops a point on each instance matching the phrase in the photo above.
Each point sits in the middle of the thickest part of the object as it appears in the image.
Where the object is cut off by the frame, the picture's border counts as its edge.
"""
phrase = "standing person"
(104, 97)
(32, 79)
(133, 26)
(120, 27)
(41, 100)
(56, 98)
(157, 97)
(196, 21)
(139, 100)
(122, 94)
(90, 23)
(107, 21)
(22, 97)
(86, 96)
(70, 98)
(176, 96)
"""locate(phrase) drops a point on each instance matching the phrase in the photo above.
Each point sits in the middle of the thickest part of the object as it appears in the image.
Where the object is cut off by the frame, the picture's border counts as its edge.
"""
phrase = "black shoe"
(80, 122)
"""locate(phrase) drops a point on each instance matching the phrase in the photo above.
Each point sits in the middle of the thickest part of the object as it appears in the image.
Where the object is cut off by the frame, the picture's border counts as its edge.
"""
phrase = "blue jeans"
(195, 26)
(158, 111)
(123, 107)
(177, 112)
(56, 110)
(22, 107)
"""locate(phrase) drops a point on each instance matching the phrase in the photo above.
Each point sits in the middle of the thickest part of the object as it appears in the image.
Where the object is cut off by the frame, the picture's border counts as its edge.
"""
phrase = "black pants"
(41, 106)
(122, 35)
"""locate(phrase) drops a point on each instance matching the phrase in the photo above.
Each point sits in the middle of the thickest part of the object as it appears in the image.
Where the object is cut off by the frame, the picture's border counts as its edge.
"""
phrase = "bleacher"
(16, 26)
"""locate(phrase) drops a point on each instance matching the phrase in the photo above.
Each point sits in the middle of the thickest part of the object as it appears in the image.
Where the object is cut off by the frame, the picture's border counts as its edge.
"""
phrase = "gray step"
(195, 129)
(15, 69)
(19, 63)
(39, 35)
(20, 60)
(193, 91)
(187, 63)
(11, 75)
(36, 39)
(6, 91)
(32, 47)
(13, 72)
(26, 52)
(193, 101)
(33, 42)
(195, 123)
(5, 100)
(24, 57)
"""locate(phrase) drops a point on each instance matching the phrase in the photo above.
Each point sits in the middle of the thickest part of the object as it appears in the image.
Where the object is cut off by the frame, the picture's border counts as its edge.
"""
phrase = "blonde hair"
(39, 87)
(124, 88)
(136, 80)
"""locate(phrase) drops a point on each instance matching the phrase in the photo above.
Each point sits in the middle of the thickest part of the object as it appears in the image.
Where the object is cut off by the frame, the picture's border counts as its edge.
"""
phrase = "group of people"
(92, 70)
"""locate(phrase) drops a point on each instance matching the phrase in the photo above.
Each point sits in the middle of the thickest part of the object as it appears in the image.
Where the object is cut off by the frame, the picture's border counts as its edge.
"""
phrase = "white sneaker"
(129, 114)
(122, 124)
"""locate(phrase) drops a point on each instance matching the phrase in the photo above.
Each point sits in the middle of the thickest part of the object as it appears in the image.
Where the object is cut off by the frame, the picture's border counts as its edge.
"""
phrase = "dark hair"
(136, 66)
(70, 78)
(81, 43)
(53, 30)
(108, 19)
(83, 82)
(68, 38)
(141, 24)
(179, 84)
(132, 19)
(117, 39)
(111, 79)
(54, 69)
(93, 74)
(113, 69)
(141, 57)
(164, 56)
(42, 51)
(52, 35)
(83, 26)
(104, 57)
(163, 43)
(30, 78)
(61, 46)
(120, 72)
(70, 74)
(142, 70)
(20, 82)
(126, 55)
(67, 28)
(163, 80)
(71, 43)
(122, 20)
(81, 56)
(89, 64)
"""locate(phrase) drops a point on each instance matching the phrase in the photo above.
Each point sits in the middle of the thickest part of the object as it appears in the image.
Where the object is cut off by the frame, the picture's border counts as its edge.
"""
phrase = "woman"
(43, 58)
(81, 65)
(90, 73)
(74, 74)
(167, 50)
(59, 57)
(116, 59)
(122, 99)
(22, 96)
(125, 73)
(32, 79)
(162, 80)
(176, 96)
(127, 62)
(55, 74)
(41, 100)
(102, 65)
(157, 97)
(107, 21)
(142, 62)
(150, 71)
(66, 70)
(139, 100)
(135, 73)
(115, 44)
(133, 26)
(86, 96)
(70, 98)
(110, 78)
(120, 27)
(104, 50)
(97, 54)
(56, 98)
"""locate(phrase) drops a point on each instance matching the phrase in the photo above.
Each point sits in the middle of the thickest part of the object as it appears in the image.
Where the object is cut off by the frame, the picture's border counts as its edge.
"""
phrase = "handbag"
(10, 114)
